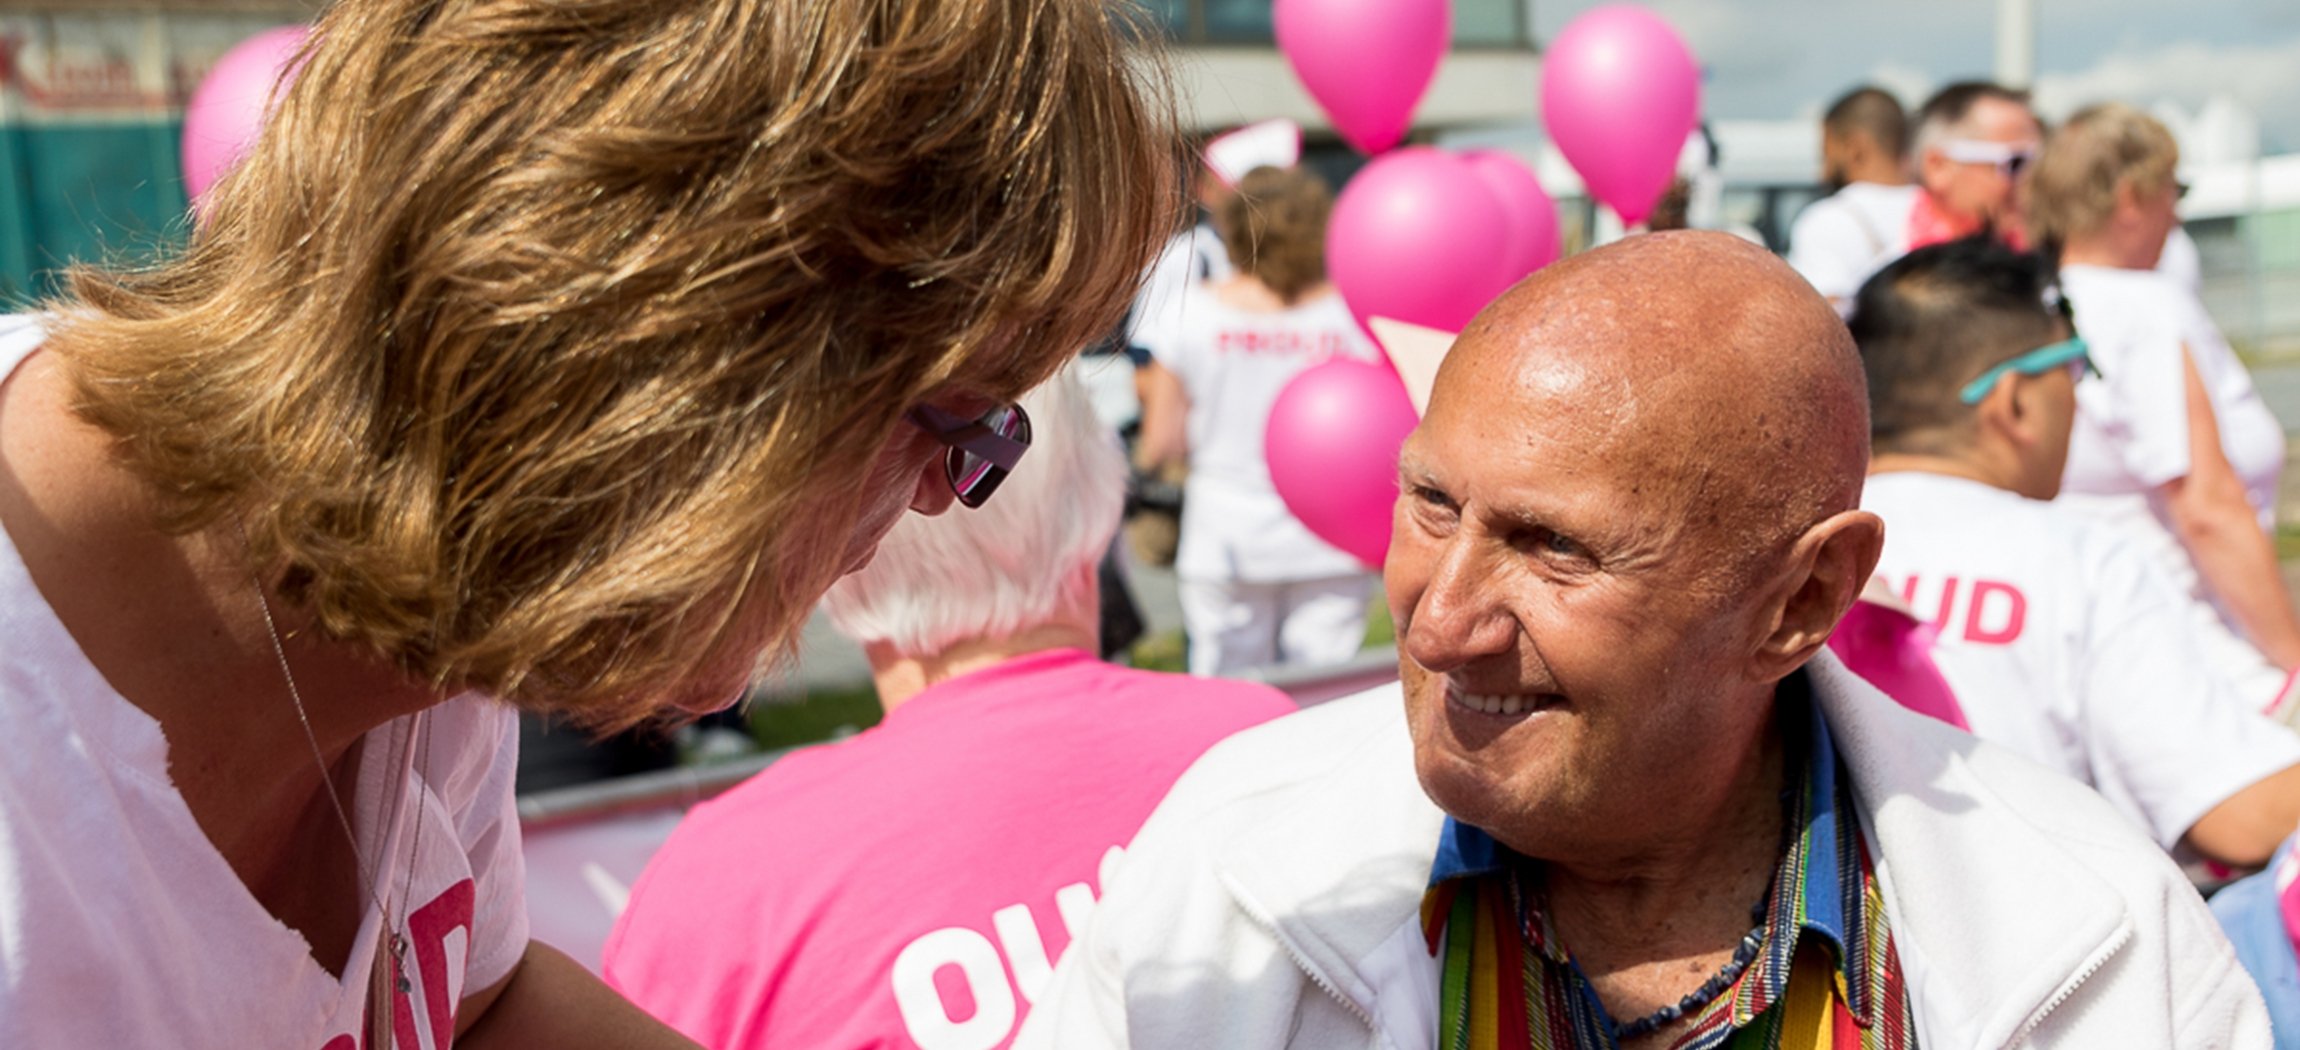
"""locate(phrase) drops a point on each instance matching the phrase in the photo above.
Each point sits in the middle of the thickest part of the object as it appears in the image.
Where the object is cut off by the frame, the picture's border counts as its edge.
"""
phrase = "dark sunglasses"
(981, 450)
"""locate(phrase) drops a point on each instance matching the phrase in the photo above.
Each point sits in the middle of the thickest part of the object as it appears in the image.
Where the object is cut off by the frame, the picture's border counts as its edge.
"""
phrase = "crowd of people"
(506, 374)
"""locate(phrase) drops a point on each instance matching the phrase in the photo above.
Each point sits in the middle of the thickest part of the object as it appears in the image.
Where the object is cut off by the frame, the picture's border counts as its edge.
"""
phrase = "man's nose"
(1461, 615)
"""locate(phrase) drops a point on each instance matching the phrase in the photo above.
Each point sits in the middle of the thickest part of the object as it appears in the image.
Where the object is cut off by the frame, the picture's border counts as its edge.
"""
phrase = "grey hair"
(1020, 561)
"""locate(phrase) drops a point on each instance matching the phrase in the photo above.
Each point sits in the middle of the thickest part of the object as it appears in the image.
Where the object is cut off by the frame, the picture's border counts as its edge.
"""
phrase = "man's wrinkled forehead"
(1555, 404)
(1574, 364)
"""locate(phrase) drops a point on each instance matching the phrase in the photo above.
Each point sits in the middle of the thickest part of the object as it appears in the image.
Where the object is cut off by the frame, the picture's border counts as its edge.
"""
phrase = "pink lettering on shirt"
(428, 930)
(1979, 618)
(1993, 612)
(1288, 343)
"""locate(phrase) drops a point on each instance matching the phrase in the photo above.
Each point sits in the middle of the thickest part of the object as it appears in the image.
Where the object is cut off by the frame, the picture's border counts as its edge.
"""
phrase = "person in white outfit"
(1620, 797)
(533, 357)
(2172, 446)
(1843, 237)
(1257, 587)
(1973, 140)
(2061, 639)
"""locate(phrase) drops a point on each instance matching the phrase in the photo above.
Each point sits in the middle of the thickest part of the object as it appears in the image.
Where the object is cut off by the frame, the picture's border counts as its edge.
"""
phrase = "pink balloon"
(1367, 62)
(1532, 215)
(227, 109)
(1332, 445)
(1620, 92)
(1418, 236)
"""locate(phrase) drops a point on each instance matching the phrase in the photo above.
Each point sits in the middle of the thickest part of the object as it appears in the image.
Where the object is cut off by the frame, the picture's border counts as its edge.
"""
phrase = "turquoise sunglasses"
(2071, 353)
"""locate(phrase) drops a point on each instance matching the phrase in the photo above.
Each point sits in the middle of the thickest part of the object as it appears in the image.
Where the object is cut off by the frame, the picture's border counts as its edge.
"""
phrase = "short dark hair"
(1951, 105)
(1873, 112)
(1931, 321)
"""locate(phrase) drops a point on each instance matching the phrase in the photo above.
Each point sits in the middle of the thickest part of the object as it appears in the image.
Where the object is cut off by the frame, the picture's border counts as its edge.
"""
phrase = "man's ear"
(2023, 414)
(2008, 410)
(1933, 169)
(1829, 566)
(2127, 202)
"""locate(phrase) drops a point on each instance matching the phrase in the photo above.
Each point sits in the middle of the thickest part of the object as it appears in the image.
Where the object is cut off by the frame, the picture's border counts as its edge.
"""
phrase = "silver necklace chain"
(369, 879)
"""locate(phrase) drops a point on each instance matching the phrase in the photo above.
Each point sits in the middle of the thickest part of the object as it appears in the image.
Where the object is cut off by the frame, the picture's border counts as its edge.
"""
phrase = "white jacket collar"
(1335, 872)
(1997, 919)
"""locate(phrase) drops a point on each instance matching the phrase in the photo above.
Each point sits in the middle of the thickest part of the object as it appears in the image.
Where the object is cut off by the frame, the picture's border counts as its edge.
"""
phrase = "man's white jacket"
(1273, 899)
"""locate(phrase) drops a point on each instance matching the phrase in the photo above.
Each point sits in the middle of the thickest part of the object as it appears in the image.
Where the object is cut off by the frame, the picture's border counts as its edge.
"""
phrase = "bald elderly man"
(1621, 796)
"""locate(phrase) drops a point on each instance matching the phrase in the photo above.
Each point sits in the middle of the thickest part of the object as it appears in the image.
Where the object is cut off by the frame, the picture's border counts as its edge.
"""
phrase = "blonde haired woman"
(539, 354)
(1257, 588)
(2171, 441)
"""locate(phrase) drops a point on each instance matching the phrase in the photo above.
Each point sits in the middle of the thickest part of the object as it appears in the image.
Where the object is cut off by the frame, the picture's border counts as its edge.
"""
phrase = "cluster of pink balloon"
(1428, 236)
(227, 109)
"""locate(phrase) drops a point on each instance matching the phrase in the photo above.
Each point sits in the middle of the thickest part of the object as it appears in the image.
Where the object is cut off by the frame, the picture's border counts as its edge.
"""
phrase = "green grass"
(823, 714)
(1158, 652)
(2287, 542)
(1379, 629)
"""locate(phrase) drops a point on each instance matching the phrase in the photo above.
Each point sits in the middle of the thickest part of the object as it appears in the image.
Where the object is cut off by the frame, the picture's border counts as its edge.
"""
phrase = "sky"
(1776, 59)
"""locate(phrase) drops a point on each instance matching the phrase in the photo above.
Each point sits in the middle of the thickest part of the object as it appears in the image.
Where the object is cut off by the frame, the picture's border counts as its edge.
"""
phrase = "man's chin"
(1465, 788)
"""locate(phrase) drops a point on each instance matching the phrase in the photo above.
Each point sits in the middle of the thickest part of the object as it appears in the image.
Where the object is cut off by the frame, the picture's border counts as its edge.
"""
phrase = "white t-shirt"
(2182, 262)
(122, 926)
(1841, 239)
(1193, 257)
(2063, 643)
(2131, 431)
(1233, 363)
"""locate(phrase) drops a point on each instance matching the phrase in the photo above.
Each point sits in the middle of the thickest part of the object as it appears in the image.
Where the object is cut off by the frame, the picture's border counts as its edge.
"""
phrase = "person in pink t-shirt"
(914, 886)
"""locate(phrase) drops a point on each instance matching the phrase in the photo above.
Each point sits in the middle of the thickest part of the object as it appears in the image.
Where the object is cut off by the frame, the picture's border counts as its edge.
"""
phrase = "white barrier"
(586, 845)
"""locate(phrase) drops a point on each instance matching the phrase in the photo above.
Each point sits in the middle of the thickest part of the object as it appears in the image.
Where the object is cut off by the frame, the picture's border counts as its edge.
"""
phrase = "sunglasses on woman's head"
(981, 450)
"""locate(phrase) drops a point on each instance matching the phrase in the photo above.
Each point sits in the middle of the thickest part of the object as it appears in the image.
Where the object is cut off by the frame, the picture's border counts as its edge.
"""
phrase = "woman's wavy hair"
(541, 344)
(2072, 189)
(1274, 228)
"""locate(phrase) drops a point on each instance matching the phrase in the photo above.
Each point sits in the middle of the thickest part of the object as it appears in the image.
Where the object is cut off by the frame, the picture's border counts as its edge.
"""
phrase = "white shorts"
(1237, 626)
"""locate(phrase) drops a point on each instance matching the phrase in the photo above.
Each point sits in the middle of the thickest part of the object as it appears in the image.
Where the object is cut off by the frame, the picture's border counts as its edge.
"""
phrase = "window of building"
(1476, 23)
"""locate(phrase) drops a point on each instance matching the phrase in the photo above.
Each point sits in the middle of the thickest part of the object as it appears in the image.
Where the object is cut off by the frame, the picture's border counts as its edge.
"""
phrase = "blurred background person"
(1842, 238)
(2172, 443)
(969, 825)
(1974, 139)
(2060, 638)
(1125, 398)
(1256, 587)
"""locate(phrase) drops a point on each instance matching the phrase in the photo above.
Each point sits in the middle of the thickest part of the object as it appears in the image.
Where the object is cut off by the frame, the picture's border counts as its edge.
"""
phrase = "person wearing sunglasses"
(1010, 764)
(535, 357)
(2175, 447)
(1974, 140)
(2060, 638)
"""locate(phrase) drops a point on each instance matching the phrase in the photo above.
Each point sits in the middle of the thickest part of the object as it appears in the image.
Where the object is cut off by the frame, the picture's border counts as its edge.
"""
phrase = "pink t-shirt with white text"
(913, 886)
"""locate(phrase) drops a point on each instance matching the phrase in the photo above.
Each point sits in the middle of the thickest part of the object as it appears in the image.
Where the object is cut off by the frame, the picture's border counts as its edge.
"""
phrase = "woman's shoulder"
(2110, 290)
(466, 743)
(2116, 307)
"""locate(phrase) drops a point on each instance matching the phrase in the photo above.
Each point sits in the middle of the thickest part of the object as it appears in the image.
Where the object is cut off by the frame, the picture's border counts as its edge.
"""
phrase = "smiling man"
(1624, 799)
